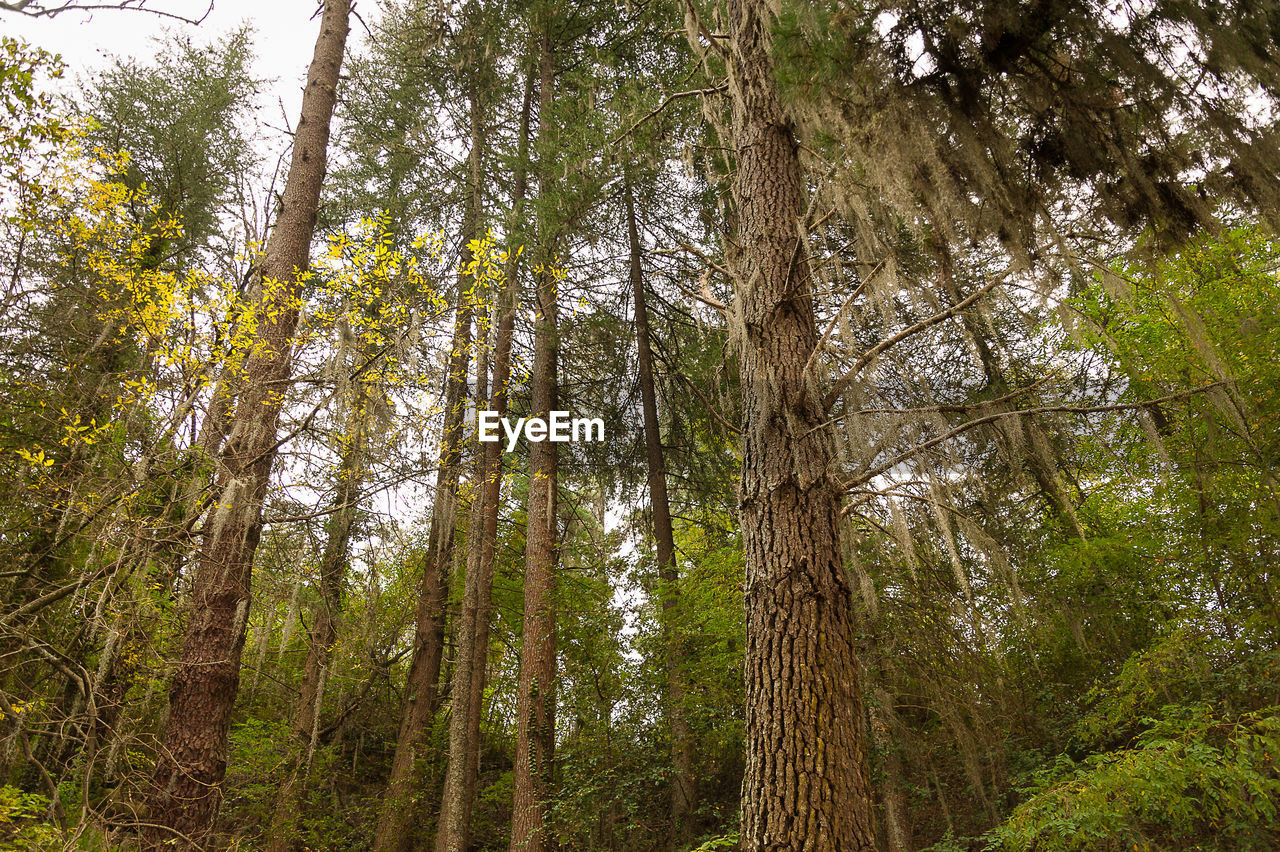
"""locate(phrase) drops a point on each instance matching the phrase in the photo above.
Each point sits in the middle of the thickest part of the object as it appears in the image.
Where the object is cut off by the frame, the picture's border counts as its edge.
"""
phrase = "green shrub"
(23, 822)
(1191, 780)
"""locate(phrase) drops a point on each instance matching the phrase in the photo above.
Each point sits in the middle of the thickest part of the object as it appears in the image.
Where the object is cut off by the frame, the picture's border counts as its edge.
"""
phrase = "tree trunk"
(453, 833)
(394, 833)
(333, 569)
(683, 790)
(806, 784)
(893, 798)
(535, 702)
(186, 785)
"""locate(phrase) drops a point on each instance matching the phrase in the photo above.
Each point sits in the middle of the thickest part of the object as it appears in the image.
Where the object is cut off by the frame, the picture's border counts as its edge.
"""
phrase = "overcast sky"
(285, 32)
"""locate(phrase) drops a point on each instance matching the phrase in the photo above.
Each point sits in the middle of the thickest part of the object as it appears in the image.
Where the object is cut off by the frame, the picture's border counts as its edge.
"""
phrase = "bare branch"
(32, 9)
(870, 355)
(867, 476)
(710, 90)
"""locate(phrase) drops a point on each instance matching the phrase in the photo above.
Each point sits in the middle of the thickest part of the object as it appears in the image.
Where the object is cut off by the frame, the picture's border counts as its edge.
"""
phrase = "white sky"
(285, 32)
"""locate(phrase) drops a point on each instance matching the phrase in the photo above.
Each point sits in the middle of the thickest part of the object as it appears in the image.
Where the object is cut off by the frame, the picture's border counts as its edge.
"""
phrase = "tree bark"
(186, 785)
(535, 702)
(453, 833)
(394, 833)
(806, 785)
(683, 789)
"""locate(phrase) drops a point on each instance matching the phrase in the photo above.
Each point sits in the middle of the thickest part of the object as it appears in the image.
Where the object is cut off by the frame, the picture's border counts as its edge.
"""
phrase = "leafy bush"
(723, 843)
(23, 823)
(1192, 780)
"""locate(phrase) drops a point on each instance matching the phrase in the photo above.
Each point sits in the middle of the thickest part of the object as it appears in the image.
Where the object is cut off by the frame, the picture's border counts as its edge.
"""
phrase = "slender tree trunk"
(394, 833)
(458, 799)
(893, 797)
(452, 809)
(186, 785)
(324, 632)
(535, 702)
(453, 830)
(683, 789)
(806, 785)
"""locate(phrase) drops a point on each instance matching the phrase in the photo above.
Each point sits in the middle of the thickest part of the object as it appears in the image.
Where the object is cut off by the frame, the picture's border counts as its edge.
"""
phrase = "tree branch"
(32, 9)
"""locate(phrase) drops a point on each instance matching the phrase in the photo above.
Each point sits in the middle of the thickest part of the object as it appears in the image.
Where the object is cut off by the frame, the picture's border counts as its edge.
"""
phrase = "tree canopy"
(938, 351)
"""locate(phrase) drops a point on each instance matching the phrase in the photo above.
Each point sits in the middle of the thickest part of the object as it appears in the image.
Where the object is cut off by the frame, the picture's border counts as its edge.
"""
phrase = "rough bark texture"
(395, 826)
(805, 785)
(450, 833)
(535, 702)
(453, 833)
(192, 762)
(683, 789)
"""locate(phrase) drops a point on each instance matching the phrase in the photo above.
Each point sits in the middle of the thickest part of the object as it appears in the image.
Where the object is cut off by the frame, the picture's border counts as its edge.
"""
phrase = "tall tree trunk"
(186, 785)
(535, 702)
(452, 809)
(324, 632)
(806, 784)
(683, 789)
(394, 833)
(453, 833)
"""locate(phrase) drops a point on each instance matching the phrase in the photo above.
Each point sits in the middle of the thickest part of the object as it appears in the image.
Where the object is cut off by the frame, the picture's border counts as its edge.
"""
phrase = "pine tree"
(536, 701)
(192, 762)
(806, 783)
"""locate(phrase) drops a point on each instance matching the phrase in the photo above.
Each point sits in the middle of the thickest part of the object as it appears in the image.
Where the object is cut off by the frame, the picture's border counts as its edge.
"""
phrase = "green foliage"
(28, 122)
(1185, 668)
(257, 762)
(180, 117)
(1191, 780)
(722, 843)
(23, 823)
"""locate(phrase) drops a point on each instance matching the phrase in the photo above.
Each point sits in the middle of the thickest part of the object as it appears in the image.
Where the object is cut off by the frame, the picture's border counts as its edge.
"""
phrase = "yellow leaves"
(487, 263)
(557, 272)
(96, 225)
(76, 431)
(37, 458)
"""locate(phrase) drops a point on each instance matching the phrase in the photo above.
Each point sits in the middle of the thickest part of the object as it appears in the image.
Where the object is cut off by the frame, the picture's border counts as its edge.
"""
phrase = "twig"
(710, 90)
(1044, 409)
(867, 357)
(26, 7)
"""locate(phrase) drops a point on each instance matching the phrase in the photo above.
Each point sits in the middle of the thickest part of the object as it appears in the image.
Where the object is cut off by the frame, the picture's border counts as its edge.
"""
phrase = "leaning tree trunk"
(186, 785)
(453, 831)
(683, 789)
(395, 826)
(806, 784)
(535, 701)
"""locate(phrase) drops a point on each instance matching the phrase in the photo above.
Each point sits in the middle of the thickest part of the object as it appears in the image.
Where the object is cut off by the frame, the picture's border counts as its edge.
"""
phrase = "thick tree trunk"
(324, 631)
(395, 827)
(186, 785)
(453, 833)
(806, 784)
(683, 789)
(535, 702)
